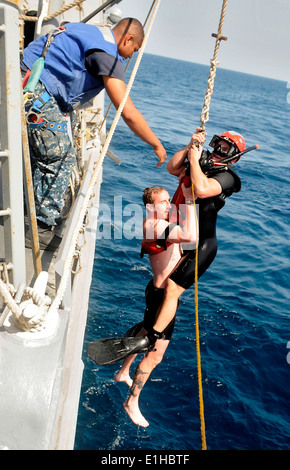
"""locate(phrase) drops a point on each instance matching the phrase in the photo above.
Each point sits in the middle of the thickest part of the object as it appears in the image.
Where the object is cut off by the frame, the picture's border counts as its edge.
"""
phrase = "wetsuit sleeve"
(227, 182)
(98, 63)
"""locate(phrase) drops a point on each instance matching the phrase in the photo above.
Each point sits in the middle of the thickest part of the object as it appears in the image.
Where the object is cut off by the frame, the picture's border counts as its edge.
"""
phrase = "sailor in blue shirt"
(81, 61)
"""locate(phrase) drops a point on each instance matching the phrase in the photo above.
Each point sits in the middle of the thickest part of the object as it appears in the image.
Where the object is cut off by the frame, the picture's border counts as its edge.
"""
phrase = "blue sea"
(243, 298)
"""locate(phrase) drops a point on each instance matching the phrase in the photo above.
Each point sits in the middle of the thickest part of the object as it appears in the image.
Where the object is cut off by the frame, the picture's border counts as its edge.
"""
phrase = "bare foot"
(120, 377)
(135, 415)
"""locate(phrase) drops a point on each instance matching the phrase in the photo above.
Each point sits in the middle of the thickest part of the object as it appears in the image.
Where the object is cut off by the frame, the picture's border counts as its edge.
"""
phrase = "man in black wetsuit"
(212, 183)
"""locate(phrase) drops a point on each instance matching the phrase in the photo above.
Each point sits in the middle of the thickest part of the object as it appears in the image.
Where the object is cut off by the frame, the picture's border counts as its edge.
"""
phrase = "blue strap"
(54, 126)
(41, 101)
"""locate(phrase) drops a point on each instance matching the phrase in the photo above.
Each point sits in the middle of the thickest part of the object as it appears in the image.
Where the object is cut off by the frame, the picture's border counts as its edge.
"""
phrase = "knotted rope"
(29, 297)
(65, 8)
(203, 119)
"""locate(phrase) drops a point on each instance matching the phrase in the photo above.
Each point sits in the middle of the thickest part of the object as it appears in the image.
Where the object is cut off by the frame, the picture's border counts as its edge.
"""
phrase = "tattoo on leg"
(138, 381)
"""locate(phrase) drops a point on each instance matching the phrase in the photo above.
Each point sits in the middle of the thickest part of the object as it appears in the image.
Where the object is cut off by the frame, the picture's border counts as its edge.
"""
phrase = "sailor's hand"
(161, 153)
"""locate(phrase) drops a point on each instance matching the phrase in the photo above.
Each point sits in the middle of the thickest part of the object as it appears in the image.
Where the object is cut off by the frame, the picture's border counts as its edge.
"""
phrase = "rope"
(30, 296)
(212, 73)
(56, 13)
(8, 299)
(68, 263)
(203, 119)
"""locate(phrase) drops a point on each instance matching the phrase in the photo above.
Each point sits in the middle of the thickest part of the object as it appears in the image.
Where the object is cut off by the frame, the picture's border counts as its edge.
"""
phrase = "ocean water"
(243, 297)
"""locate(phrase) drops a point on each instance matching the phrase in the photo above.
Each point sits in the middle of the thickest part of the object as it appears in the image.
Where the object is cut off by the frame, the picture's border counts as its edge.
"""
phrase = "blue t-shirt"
(99, 63)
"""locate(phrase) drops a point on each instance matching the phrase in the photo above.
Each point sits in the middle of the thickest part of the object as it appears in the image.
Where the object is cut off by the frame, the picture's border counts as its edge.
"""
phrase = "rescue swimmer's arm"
(175, 166)
(203, 186)
(133, 118)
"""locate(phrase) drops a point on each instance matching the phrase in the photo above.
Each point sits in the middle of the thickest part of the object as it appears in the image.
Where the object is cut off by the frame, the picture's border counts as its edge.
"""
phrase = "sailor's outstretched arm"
(133, 118)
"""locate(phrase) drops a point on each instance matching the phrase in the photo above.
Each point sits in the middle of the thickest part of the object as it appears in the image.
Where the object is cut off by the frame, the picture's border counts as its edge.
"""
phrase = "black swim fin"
(134, 330)
(109, 350)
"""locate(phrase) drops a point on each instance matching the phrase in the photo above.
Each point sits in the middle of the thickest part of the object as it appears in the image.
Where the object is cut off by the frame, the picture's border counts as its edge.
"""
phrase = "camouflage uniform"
(76, 61)
(52, 160)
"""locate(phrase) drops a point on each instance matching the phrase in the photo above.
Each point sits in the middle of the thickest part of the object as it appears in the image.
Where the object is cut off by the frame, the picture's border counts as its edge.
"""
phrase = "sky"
(258, 33)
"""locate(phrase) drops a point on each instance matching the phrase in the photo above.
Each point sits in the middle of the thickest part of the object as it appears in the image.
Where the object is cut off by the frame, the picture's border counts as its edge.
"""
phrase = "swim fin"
(134, 330)
(109, 350)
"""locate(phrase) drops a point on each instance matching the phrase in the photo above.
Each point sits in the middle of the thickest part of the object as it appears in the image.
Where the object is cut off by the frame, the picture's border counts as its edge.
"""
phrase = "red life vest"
(152, 247)
(157, 246)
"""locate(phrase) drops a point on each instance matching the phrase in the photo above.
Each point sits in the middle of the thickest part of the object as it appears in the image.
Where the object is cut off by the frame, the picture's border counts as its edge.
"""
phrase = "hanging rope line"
(203, 119)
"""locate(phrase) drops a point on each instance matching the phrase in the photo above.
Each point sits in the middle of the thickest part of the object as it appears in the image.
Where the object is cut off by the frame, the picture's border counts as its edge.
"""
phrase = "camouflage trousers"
(52, 161)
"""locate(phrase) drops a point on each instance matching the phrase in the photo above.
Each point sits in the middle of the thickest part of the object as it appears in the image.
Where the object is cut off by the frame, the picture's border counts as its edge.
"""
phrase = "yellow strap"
(198, 357)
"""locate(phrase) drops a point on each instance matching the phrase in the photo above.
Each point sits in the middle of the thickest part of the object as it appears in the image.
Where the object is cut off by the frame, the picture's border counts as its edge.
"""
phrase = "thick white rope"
(55, 14)
(29, 297)
(204, 117)
(8, 299)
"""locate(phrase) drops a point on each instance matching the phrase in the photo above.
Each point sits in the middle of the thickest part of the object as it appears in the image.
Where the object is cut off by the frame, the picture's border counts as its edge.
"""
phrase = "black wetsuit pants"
(184, 276)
